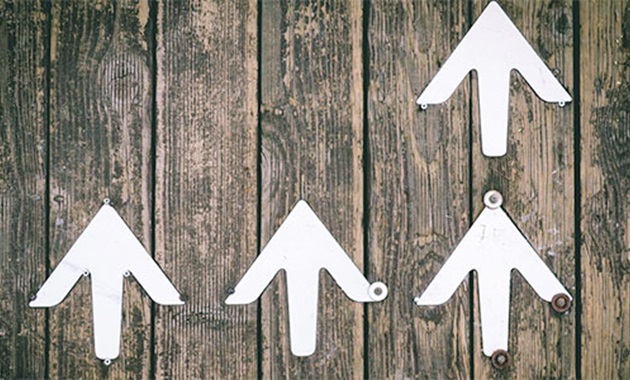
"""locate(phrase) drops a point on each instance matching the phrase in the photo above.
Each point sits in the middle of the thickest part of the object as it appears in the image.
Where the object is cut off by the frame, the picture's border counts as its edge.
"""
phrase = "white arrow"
(493, 47)
(493, 247)
(106, 251)
(303, 246)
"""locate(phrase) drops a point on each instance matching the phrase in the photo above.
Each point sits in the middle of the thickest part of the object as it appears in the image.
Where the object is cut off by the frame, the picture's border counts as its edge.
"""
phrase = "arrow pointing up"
(106, 251)
(303, 246)
(493, 247)
(493, 47)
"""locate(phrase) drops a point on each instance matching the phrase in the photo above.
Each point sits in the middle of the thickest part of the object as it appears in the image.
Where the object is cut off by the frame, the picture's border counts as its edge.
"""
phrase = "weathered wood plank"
(100, 146)
(23, 150)
(536, 178)
(312, 140)
(419, 190)
(605, 177)
(206, 185)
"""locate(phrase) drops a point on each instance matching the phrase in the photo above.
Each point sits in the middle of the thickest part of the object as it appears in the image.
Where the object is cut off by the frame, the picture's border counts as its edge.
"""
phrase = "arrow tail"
(107, 292)
(348, 277)
(538, 274)
(450, 276)
(539, 77)
(255, 280)
(303, 293)
(152, 279)
(59, 284)
(494, 305)
(448, 77)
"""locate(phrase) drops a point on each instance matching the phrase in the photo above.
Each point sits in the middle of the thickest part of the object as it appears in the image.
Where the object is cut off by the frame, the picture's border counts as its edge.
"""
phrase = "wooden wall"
(205, 121)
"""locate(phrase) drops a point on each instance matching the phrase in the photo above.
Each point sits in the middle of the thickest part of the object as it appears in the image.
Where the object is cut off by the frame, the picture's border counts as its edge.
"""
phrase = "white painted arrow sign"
(493, 47)
(106, 251)
(493, 247)
(303, 246)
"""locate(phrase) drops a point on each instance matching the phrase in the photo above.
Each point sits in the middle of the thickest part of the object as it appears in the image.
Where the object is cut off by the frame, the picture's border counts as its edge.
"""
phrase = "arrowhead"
(108, 246)
(303, 244)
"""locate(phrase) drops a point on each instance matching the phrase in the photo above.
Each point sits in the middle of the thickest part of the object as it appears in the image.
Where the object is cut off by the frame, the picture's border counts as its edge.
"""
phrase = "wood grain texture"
(536, 179)
(23, 149)
(206, 185)
(312, 146)
(605, 145)
(100, 146)
(419, 189)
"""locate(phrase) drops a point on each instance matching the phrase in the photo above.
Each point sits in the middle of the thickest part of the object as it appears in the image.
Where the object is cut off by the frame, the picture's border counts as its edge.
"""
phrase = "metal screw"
(230, 290)
(377, 291)
(560, 303)
(500, 359)
(493, 199)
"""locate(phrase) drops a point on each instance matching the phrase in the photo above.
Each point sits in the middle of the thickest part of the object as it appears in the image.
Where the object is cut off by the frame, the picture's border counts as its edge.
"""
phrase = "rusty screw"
(560, 303)
(500, 359)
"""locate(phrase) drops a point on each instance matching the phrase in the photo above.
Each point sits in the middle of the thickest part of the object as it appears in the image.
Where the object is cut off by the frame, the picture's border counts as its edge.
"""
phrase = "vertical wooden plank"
(23, 149)
(605, 177)
(206, 184)
(100, 99)
(419, 189)
(536, 179)
(312, 140)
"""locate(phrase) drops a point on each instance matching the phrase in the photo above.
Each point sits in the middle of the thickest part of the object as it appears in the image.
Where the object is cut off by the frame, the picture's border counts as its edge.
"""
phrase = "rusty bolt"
(560, 303)
(500, 359)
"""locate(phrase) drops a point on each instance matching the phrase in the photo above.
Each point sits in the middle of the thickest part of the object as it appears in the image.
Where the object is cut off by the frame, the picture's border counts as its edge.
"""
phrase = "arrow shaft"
(107, 291)
(494, 101)
(303, 293)
(494, 303)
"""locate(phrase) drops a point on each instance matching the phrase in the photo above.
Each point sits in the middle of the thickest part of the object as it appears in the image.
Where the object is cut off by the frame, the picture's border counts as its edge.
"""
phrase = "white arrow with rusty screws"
(493, 47)
(493, 247)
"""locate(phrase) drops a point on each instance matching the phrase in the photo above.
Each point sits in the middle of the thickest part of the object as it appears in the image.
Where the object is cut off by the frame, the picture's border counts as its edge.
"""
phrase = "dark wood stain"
(23, 150)
(312, 132)
(606, 190)
(418, 190)
(205, 121)
(206, 185)
(100, 146)
(536, 178)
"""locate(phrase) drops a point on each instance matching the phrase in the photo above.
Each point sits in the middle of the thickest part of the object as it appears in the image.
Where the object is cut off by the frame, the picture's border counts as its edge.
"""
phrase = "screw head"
(560, 303)
(493, 199)
(377, 291)
(500, 359)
